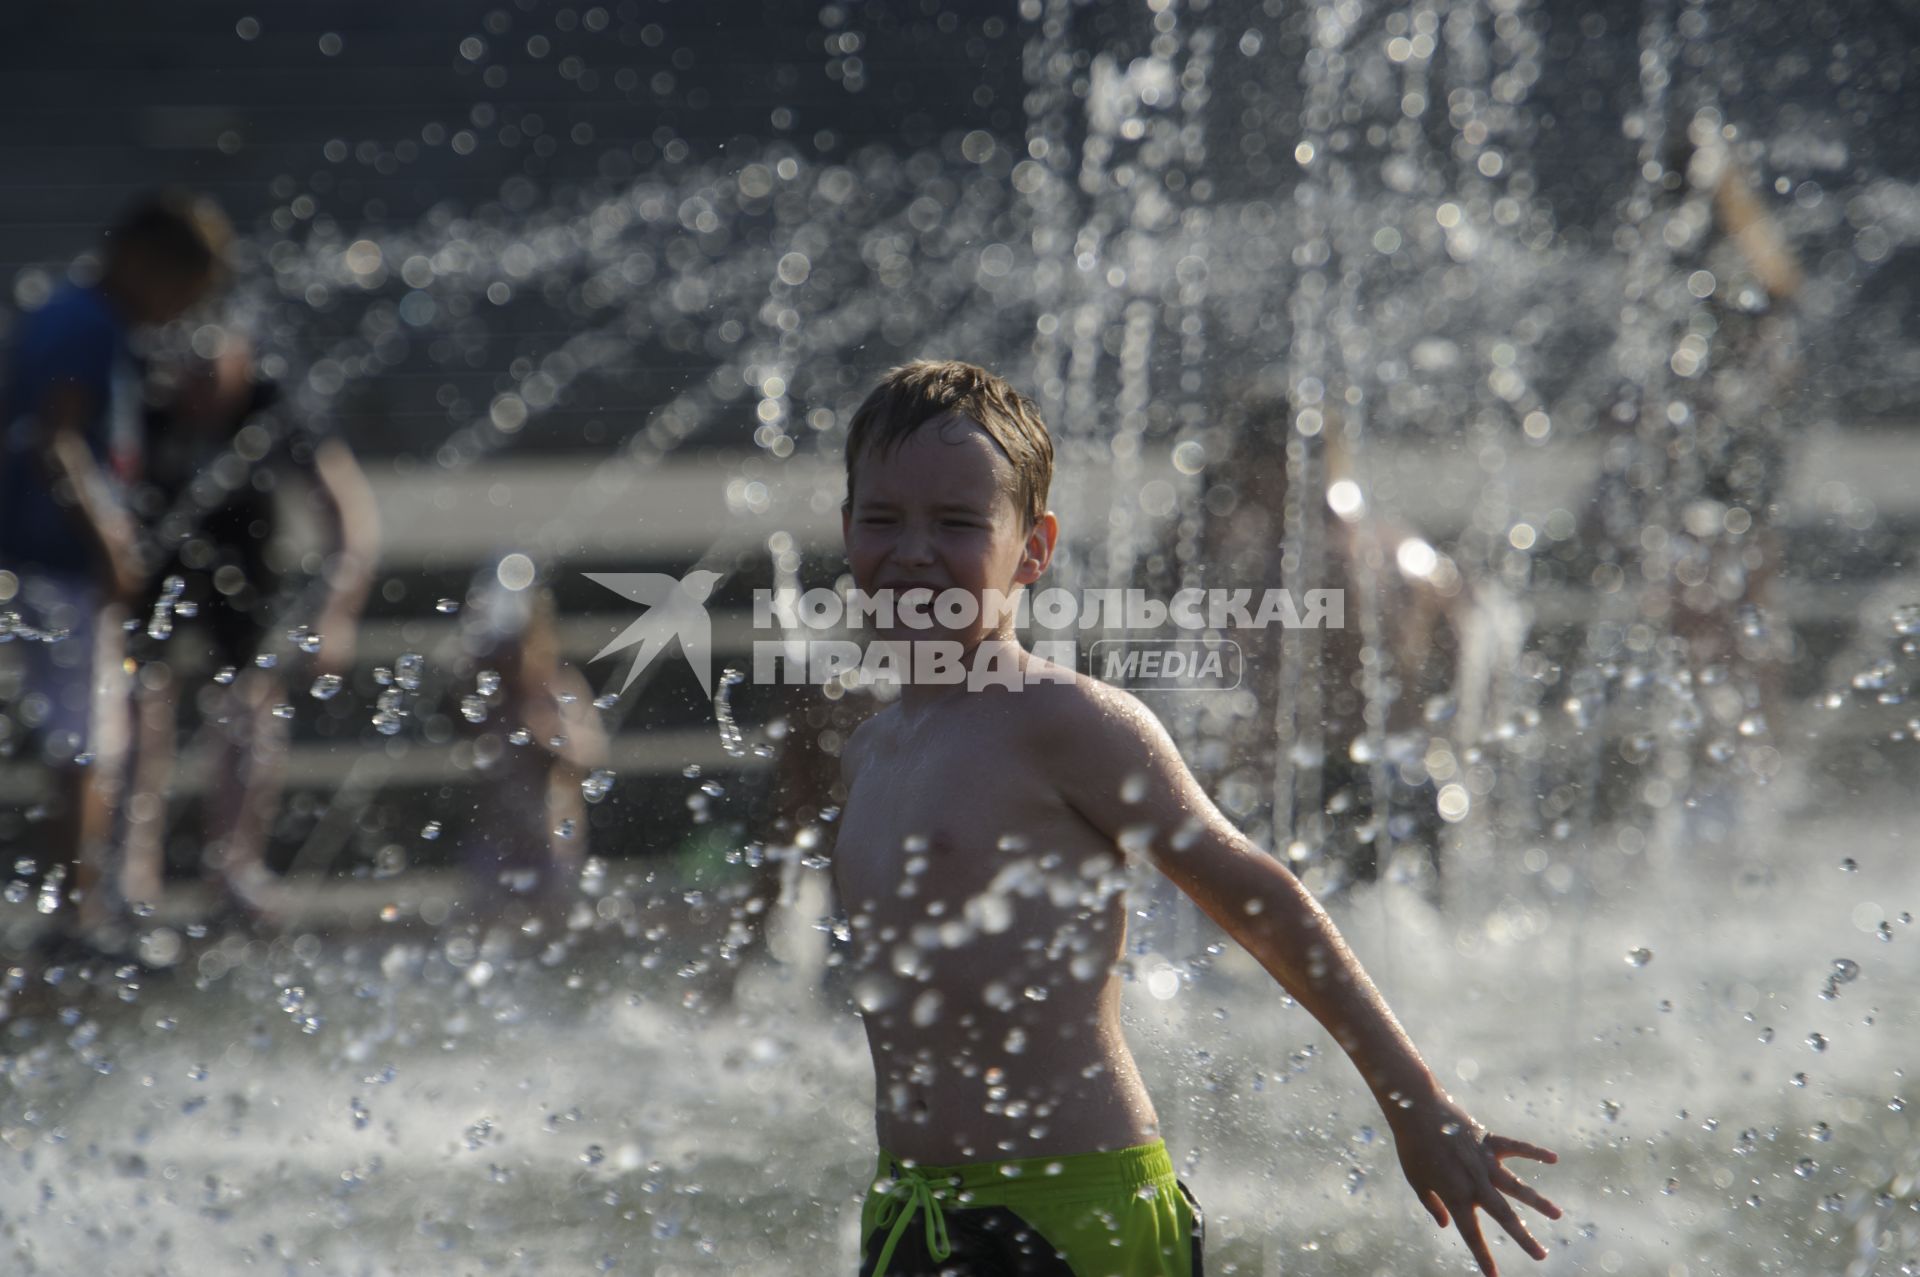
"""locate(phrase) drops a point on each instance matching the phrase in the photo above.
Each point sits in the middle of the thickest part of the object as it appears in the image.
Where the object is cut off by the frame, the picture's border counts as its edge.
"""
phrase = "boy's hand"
(1454, 1166)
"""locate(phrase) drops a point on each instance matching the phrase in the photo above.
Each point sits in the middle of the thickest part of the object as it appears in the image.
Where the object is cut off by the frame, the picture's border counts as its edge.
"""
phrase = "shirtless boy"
(980, 861)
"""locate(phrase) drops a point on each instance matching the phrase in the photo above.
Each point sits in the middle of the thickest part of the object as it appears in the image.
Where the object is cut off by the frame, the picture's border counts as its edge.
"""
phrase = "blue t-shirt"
(75, 339)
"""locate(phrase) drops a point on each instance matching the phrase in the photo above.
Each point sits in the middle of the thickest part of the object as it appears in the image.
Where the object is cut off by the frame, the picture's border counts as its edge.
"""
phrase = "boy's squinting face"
(938, 513)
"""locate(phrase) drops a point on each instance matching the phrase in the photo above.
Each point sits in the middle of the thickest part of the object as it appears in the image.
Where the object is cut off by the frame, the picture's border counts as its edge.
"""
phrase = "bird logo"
(676, 610)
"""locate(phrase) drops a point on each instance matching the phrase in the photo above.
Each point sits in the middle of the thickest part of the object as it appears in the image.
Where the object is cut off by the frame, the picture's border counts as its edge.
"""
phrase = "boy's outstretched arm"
(1120, 771)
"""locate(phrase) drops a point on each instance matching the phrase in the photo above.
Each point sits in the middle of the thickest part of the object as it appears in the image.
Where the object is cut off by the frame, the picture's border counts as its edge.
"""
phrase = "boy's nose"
(914, 546)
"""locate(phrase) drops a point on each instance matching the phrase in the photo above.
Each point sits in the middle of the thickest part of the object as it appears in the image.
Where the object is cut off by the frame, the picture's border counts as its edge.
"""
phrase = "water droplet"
(160, 625)
(283, 712)
(430, 830)
(1805, 1167)
(1875, 677)
(606, 702)
(1817, 1041)
(597, 786)
(926, 1009)
(325, 687)
(447, 607)
(1849, 865)
(731, 739)
(488, 682)
(407, 670)
(1845, 970)
(1906, 619)
(1639, 957)
(473, 708)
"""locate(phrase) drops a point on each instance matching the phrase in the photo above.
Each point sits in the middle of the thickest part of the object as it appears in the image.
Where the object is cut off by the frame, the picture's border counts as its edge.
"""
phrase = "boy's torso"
(987, 918)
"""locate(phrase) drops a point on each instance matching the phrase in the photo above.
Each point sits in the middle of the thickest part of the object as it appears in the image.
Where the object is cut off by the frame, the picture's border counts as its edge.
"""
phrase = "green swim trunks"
(1116, 1214)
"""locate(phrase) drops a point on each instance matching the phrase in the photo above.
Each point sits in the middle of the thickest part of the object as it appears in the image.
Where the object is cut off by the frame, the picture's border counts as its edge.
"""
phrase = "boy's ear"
(1038, 552)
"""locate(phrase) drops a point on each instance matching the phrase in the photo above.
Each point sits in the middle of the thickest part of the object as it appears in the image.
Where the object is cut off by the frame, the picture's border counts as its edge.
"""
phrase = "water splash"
(732, 741)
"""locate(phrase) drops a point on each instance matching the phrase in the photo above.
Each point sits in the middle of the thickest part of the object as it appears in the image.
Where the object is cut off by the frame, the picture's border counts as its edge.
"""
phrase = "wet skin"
(987, 919)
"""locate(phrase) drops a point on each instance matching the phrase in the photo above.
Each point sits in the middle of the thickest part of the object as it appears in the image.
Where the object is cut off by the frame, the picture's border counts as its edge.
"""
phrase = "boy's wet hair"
(177, 230)
(910, 396)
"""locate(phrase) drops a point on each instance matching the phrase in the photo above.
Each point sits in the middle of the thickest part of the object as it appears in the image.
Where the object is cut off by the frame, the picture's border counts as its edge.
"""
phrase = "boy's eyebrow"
(881, 503)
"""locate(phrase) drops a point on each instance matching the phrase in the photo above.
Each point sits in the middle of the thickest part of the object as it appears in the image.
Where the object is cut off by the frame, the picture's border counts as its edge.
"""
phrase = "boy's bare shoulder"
(1106, 754)
(1078, 712)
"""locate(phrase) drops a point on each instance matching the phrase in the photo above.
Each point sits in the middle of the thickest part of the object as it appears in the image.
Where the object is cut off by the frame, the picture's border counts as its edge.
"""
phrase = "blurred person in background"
(71, 444)
(526, 725)
(794, 823)
(1685, 507)
(1361, 767)
(232, 468)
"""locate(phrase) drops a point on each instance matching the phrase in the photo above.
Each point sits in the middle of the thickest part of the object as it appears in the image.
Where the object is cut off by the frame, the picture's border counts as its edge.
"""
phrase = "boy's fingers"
(1503, 1213)
(1470, 1229)
(1506, 1182)
(1501, 1146)
(1431, 1200)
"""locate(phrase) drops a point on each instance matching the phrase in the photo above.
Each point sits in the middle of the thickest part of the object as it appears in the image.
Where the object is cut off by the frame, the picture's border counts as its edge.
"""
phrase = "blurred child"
(70, 445)
(536, 740)
(231, 469)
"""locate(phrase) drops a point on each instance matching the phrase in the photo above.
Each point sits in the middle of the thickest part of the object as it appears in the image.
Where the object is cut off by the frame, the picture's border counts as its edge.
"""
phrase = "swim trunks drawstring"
(898, 1211)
